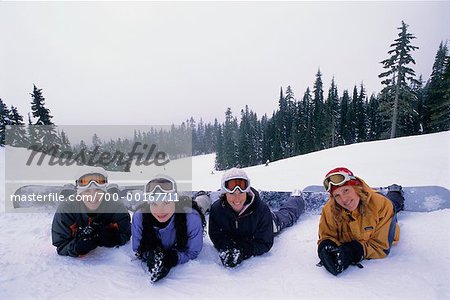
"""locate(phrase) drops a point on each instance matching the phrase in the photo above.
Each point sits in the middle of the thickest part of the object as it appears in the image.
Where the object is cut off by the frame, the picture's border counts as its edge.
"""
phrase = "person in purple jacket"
(166, 232)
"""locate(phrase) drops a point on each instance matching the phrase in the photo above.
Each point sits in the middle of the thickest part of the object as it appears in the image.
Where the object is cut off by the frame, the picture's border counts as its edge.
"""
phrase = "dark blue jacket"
(251, 232)
(70, 216)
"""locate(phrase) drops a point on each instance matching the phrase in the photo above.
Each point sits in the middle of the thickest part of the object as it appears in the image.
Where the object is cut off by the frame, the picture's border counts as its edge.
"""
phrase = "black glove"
(352, 252)
(231, 257)
(170, 258)
(337, 259)
(108, 237)
(86, 239)
(159, 262)
(328, 256)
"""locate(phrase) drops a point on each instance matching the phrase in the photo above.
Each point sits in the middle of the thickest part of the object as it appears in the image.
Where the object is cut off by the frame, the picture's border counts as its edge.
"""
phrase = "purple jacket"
(168, 237)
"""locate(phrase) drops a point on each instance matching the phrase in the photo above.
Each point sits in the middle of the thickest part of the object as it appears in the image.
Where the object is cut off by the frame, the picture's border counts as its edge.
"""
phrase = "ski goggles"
(241, 184)
(97, 178)
(92, 181)
(336, 179)
(162, 184)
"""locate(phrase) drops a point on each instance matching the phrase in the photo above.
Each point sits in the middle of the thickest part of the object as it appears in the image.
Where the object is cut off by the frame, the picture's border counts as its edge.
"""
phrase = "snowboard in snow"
(417, 198)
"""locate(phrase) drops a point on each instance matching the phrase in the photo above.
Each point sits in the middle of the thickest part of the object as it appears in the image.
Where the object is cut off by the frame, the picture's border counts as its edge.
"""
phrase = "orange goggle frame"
(97, 178)
(234, 184)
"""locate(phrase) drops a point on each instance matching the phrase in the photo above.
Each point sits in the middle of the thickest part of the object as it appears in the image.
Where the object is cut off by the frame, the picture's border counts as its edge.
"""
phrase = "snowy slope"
(418, 267)
(410, 161)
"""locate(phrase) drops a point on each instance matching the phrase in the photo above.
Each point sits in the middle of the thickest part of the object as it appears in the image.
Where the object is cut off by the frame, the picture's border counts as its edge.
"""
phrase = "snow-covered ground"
(418, 267)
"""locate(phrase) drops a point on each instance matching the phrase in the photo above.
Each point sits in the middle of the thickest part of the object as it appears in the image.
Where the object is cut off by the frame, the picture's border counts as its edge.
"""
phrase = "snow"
(418, 267)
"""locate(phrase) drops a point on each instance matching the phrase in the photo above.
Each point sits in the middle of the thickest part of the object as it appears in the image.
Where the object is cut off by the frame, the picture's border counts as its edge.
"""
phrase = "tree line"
(322, 119)
(52, 140)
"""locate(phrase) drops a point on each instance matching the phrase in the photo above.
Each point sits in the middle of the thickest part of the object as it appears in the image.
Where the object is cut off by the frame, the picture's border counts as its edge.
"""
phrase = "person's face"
(92, 198)
(162, 210)
(236, 200)
(346, 197)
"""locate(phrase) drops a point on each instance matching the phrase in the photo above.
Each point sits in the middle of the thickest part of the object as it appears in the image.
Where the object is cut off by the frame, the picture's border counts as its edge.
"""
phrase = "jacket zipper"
(236, 220)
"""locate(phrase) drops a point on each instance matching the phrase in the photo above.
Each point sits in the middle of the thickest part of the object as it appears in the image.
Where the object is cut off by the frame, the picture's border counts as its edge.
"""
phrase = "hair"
(362, 206)
(150, 240)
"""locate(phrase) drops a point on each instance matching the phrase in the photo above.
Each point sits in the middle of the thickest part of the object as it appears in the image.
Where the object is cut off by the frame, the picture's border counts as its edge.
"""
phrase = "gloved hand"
(231, 257)
(86, 239)
(337, 259)
(108, 237)
(328, 257)
(159, 262)
(351, 253)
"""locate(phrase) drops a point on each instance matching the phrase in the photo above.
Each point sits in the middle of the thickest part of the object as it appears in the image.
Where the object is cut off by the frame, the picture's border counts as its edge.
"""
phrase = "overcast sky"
(160, 63)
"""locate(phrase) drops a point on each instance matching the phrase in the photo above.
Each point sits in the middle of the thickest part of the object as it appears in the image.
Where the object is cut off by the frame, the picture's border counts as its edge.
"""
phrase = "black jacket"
(71, 215)
(251, 232)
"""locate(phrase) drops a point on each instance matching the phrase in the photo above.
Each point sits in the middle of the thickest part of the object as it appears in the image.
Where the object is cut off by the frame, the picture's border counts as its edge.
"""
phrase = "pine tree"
(288, 117)
(38, 108)
(65, 143)
(308, 104)
(301, 123)
(360, 115)
(230, 147)
(352, 114)
(332, 114)
(421, 92)
(445, 117)
(220, 155)
(296, 134)
(245, 143)
(201, 149)
(282, 126)
(318, 126)
(210, 138)
(18, 134)
(44, 136)
(267, 138)
(4, 121)
(345, 121)
(399, 75)
(437, 105)
(373, 119)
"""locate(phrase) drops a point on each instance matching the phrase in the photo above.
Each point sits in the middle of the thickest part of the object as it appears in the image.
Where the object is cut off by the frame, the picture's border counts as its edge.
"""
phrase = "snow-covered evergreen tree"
(437, 105)
(398, 77)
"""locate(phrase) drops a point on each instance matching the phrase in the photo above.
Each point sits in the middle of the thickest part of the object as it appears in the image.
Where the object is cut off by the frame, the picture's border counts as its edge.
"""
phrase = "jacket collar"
(247, 205)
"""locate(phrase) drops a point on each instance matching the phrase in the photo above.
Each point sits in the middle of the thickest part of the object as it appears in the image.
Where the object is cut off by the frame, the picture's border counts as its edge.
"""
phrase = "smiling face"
(236, 200)
(346, 197)
(92, 198)
(162, 210)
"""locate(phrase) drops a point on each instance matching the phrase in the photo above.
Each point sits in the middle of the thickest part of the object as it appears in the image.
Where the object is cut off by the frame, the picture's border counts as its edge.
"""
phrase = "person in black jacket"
(84, 222)
(241, 225)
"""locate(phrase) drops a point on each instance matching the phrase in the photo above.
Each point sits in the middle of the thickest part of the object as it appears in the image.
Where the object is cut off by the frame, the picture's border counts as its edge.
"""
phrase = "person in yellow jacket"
(357, 222)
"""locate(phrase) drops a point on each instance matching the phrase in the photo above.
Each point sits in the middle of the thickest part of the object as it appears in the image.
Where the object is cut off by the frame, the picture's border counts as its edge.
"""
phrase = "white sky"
(160, 63)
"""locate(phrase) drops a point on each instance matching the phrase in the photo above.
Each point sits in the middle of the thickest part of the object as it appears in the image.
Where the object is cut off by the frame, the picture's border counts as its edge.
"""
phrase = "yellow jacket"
(375, 231)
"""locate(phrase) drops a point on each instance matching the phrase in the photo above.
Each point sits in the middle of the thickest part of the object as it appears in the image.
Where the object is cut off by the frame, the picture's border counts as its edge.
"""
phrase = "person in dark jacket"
(166, 232)
(241, 225)
(84, 221)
